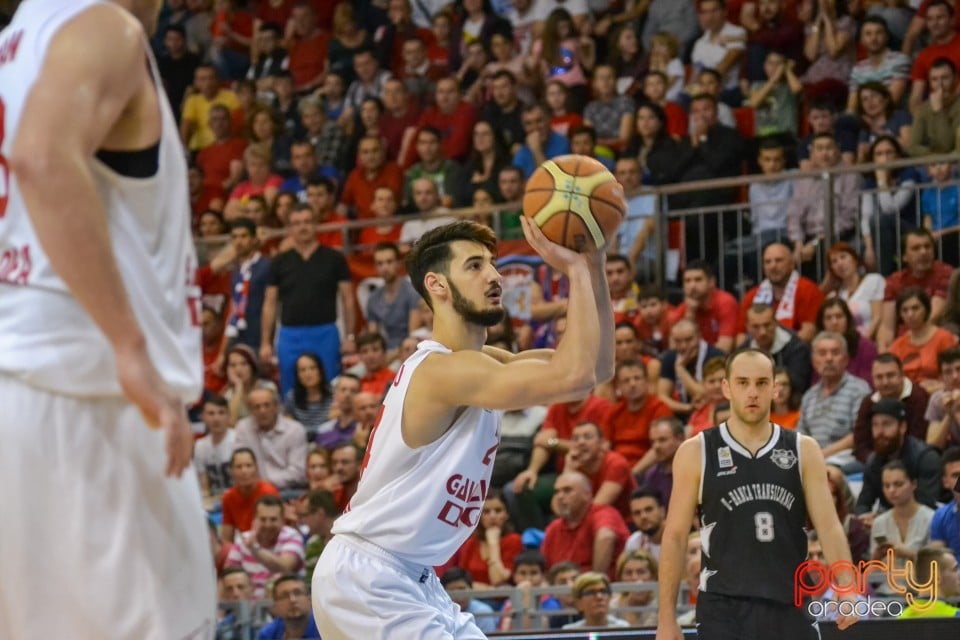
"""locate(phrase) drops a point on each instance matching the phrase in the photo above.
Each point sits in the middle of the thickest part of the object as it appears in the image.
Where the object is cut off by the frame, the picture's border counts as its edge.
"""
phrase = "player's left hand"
(557, 256)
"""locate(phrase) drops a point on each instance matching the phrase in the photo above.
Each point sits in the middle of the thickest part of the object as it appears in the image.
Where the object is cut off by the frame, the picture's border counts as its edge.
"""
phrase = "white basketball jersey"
(46, 338)
(422, 504)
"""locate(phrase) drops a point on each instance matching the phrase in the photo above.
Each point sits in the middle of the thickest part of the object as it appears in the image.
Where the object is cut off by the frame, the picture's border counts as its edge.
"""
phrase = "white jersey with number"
(422, 504)
(46, 338)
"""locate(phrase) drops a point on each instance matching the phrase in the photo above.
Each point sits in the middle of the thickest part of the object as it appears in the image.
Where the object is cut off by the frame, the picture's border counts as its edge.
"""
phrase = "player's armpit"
(474, 379)
(503, 356)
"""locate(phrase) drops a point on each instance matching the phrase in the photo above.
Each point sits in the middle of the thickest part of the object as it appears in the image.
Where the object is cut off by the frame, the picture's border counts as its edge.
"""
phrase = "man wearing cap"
(888, 423)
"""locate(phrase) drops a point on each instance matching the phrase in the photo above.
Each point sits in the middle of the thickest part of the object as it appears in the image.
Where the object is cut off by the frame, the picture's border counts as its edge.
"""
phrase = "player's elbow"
(579, 383)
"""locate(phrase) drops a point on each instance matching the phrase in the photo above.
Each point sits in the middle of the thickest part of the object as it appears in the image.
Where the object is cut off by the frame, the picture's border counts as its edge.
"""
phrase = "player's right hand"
(557, 256)
(266, 354)
(669, 631)
(160, 407)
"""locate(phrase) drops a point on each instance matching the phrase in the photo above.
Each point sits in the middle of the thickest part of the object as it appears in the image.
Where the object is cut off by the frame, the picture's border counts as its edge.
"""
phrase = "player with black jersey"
(755, 484)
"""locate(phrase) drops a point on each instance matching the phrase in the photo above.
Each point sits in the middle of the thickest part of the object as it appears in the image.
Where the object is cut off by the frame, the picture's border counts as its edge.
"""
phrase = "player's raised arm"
(683, 504)
(112, 105)
(823, 515)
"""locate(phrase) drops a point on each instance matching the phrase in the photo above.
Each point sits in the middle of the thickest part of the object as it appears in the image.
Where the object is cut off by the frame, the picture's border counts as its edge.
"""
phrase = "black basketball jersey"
(752, 514)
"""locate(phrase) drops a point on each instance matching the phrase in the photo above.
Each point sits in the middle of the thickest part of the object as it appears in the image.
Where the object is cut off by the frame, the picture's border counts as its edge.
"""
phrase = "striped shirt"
(288, 542)
(828, 419)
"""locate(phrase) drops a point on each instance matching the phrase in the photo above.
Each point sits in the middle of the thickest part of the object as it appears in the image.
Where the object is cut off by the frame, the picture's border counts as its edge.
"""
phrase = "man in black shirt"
(176, 66)
(755, 485)
(306, 281)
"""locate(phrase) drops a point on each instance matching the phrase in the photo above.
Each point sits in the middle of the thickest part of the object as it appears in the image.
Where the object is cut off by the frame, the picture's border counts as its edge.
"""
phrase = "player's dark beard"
(470, 313)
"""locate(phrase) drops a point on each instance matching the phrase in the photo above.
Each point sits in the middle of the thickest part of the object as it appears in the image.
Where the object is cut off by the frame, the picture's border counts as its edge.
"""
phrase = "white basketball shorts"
(95, 542)
(362, 591)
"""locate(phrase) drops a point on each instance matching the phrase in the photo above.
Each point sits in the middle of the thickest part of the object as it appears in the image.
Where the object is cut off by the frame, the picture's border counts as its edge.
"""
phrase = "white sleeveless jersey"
(46, 338)
(422, 504)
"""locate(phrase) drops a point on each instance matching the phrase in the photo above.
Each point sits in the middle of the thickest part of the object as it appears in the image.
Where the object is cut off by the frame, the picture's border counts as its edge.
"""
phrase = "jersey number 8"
(764, 523)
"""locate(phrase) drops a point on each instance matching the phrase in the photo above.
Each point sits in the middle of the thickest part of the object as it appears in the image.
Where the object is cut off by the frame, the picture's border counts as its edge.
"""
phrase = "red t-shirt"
(468, 556)
(342, 496)
(237, 508)
(566, 123)
(215, 160)
(247, 189)
(212, 380)
(358, 190)
(562, 542)
(629, 432)
(920, 362)
(333, 238)
(378, 382)
(807, 301)
(370, 236)
(456, 129)
(393, 127)
(439, 56)
(677, 119)
(240, 23)
(214, 288)
(933, 284)
(276, 11)
(716, 319)
(307, 58)
(926, 57)
(560, 419)
(614, 468)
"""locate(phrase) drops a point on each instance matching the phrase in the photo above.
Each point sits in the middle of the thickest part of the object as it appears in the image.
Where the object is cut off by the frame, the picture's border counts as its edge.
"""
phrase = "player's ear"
(435, 283)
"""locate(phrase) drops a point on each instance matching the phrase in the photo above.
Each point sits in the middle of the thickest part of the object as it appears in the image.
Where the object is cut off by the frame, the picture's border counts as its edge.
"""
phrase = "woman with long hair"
(830, 48)
(637, 567)
(488, 154)
(488, 554)
(662, 158)
(879, 116)
(905, 527)
(561, 54)
(308, 402)
(626, 58)
(863, 292)
(348, 38)
(834, 315)
(319, 471)
(888, 206)
(919, 346)
(785, 406)
(265, 129)
(243, 376)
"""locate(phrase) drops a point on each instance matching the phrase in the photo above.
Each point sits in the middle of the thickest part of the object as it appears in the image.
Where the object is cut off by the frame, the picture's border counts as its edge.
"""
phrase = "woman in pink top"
(563, 55)
(259, 182)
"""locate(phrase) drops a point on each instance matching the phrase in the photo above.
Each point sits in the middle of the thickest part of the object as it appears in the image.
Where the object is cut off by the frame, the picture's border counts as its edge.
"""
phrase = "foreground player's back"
(46, 338)
(422, 503)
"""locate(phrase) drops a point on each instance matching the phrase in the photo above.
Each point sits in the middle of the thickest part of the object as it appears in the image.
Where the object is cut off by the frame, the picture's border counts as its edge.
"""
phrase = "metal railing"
(730, 219)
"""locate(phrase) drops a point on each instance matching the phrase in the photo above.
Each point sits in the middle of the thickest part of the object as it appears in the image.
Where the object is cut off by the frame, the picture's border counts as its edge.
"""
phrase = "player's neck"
(751, 435)
(450, 330)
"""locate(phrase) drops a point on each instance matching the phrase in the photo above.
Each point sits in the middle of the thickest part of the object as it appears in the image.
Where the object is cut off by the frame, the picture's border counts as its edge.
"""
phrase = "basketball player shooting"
(427, 466)
(755, 484)
(99, 344)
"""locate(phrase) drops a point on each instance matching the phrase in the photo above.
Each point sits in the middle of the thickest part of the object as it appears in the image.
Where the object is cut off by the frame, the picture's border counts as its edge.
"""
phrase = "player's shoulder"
(689, 452)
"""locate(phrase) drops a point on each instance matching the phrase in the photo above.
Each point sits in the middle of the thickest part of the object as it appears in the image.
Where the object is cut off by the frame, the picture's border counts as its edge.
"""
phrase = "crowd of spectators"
(302, 113)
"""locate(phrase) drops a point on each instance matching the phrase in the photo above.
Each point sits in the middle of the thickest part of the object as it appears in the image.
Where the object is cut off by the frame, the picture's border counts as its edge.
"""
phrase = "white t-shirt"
(871, 287)
(214, 460)
(640, 541)
(918, 535)
(709, 51)
(411, 230)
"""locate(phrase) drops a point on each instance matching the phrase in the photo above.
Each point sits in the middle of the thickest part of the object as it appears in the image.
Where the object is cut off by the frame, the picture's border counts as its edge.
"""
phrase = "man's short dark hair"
(387, 246)
(504, 73)
(943, 61)
(455, 574)
(822, 104)
(432, 252)
(948, 356)
(176, 28)
(584, 129)
(704, 96)
(216, 400)
(268, 501)
(286, 577)
(700, 265)
(647, 492)
(369, 337)
(229, 571)
(941, 3)
(875, 19)
(530, 557)
(347, 445)
(951, 455)
(650, 291)
(916, 232)
(322, 181)
(273, 27)
(675, 424)
(625, 324)
(823, 135)
(619, 257)
(889, 358)
(321, 500)
(631, 363)
(431, 130)
(245, 223)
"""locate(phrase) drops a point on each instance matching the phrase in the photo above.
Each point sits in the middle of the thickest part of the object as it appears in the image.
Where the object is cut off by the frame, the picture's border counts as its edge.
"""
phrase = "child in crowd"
(664, 50)
(438, 52)
(653, 327)
(775, 100)
(561, 120)
(529, 569)
(939, 208)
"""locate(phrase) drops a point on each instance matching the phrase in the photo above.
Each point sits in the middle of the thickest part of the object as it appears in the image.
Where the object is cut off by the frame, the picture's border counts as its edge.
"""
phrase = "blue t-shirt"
(556, 145)
(940, 203)
(248, 329)
(945, 526)
(298, 186)
(275, 630)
